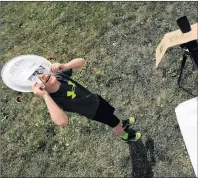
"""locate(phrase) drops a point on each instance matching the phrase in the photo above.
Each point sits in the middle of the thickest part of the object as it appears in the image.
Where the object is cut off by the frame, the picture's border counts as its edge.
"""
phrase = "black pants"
(105, 114)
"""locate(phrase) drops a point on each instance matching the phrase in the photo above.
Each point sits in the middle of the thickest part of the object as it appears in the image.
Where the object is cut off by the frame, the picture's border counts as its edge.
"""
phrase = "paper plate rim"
(6, 64)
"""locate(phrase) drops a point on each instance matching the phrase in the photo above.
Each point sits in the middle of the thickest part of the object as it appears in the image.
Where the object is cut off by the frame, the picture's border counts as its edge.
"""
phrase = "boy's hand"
(38, 90)
(56, 67)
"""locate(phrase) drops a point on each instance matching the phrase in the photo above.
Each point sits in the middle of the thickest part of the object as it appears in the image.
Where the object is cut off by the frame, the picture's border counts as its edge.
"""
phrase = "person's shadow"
(142, 157)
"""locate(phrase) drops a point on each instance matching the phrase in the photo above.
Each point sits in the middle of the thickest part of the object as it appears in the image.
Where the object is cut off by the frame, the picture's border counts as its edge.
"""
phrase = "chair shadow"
(142, 158)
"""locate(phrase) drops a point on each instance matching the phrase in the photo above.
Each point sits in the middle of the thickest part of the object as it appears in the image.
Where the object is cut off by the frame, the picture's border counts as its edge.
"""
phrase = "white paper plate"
(19, 73)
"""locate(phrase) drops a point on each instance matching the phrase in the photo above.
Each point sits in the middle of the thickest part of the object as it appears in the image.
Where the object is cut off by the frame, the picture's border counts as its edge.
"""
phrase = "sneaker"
(128, 122)
(133, 138)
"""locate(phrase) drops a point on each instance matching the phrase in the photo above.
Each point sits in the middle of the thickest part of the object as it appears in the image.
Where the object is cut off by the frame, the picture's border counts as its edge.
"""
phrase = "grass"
(118, 41)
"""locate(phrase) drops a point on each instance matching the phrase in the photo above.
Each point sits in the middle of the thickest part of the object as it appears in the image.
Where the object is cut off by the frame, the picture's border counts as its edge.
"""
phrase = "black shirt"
(73, 97)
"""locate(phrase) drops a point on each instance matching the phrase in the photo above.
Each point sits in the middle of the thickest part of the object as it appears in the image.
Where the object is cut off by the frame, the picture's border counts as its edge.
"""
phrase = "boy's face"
(47, 79)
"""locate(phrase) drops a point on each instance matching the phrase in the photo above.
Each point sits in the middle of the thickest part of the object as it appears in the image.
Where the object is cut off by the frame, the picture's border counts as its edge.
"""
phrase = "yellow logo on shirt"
(71, 93)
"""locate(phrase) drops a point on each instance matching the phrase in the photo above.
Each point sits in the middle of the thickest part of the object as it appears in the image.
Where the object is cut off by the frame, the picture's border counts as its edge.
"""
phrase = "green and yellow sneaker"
(133, 138)
(128, 122)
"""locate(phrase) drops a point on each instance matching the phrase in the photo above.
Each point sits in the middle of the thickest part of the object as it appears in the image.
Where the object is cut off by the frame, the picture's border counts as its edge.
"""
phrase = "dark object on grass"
(190, 49)
(18, 97)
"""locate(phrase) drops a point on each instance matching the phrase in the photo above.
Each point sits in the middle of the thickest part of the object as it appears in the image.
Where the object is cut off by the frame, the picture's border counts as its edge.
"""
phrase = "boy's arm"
(73, 64)
(58, 116)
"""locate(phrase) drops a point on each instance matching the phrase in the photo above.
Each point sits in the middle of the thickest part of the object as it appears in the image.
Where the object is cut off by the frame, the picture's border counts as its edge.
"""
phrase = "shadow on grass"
(142, 157)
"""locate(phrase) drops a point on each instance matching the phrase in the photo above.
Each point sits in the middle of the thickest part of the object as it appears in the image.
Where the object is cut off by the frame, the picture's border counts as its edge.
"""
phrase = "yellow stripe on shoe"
(131, 120)
(138, 136)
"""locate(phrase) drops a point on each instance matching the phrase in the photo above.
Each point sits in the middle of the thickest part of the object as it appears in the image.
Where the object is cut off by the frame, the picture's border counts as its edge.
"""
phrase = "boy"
(61, 93)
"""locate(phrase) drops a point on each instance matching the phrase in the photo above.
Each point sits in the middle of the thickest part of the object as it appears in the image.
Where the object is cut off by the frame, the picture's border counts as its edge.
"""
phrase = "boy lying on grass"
(61, 93)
